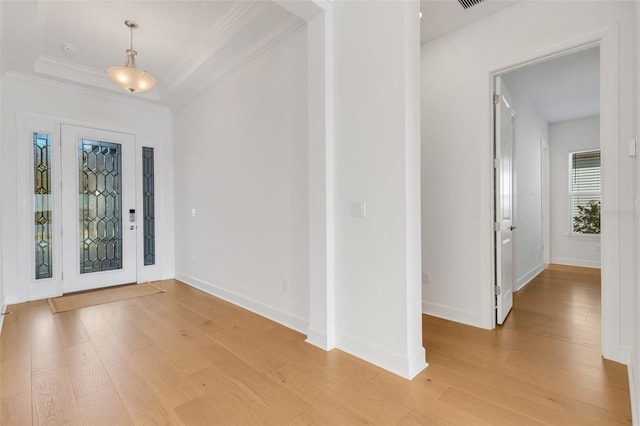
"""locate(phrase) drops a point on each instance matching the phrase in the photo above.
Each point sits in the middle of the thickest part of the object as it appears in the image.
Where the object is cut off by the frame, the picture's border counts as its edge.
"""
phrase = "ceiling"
(562, 88)
(440, 17)
(186, 45)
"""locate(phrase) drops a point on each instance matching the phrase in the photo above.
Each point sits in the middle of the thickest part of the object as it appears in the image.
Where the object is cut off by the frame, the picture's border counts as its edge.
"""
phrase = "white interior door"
(98, 208)
(504, 128)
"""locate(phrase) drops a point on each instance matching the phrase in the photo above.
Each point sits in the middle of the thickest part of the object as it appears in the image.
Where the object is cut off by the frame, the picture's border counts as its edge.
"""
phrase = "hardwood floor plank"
(186, 357)
(15, 410)
(170, 384)
(15, 366)
(123, 319)
(70, 329)
(361, 401)
(284, 405)
(320, 398)
(233, 396)
(103, 408)
(54, 402)
(483, 409)
(555, 394)
(438, 413)
(203, 411)
(141, 402)
(87, 373)
(16, 324)
(531, 402)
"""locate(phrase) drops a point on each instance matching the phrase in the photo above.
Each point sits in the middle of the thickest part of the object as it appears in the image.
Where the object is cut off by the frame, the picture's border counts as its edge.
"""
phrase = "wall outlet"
(425, 278)
(193, 212)
(285, 285)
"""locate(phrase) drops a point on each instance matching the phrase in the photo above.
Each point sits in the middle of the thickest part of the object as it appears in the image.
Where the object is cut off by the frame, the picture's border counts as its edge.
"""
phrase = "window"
(148, 199)
(584, 192)
(42, 204)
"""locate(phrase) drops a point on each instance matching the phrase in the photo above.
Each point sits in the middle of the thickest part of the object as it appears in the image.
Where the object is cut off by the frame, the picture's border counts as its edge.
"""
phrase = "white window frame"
(572, 233)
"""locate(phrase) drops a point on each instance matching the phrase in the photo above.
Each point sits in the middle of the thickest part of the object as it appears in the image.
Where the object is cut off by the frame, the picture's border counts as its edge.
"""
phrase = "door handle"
(511, 228)
(132, 227)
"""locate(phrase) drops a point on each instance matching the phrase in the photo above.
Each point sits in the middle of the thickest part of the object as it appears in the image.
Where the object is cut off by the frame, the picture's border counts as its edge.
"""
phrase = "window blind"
(586, 184)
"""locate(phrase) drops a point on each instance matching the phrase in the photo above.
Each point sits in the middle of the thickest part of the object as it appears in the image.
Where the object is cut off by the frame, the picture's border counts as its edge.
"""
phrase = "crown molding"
(93, 91)
(237, 63)
(216, 38)
(306, 10)
(71, 71)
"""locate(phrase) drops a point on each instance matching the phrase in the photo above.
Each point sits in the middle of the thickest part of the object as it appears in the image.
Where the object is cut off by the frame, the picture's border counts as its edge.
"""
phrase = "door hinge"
(61, 276)
(497, 291)
(496, 163)
(496, 226)
(496, 99)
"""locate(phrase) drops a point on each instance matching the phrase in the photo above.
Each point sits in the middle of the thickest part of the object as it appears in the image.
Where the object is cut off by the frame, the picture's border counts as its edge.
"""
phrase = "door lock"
(511, 228)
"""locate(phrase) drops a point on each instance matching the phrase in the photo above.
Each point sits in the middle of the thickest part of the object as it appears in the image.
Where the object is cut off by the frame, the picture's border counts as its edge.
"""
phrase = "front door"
(98, 208)
(504, 227)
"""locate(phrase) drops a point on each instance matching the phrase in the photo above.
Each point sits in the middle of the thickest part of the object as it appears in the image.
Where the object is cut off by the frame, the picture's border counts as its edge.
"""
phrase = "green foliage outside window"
(587, 221)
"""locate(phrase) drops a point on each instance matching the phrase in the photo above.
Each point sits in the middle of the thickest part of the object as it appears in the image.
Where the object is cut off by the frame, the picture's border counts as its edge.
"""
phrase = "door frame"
(607, 40)
(26, 124)
(545, 197)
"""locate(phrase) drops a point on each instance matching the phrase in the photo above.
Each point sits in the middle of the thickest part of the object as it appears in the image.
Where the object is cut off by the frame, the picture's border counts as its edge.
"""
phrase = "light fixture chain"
(131, 40)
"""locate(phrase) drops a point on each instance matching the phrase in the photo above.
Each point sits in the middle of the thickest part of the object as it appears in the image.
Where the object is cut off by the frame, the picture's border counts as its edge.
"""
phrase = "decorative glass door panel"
(42, 205)
(100, 213)
(99, 220)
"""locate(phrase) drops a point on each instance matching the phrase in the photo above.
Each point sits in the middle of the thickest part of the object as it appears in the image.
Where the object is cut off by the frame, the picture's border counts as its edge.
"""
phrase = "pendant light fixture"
(129, 77)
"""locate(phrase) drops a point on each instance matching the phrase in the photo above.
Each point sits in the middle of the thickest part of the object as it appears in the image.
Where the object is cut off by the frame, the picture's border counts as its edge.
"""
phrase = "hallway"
(543, 365)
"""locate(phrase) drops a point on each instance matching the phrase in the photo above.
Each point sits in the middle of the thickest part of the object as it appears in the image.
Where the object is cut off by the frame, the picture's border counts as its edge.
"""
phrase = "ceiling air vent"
(468, 3)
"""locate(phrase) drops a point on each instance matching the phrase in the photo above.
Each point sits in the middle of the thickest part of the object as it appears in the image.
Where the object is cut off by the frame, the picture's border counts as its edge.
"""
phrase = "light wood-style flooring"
(185, 357)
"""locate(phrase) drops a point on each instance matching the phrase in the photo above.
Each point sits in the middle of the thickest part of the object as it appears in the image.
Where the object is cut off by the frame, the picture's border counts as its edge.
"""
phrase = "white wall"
(377, 145)
(241, 163)
(22, 96)
(456, 158)
(566, 137)
(530, 129)
(634, 369)
(2, 298)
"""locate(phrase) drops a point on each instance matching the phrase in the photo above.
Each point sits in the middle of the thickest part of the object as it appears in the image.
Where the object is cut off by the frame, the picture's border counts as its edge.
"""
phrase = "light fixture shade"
(129, 77)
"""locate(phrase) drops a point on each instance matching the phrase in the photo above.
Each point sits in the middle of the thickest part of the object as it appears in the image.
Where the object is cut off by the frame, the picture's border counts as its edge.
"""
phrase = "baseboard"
(319, 339)
(625, 354)
(634, 393)
(291, 321)
(2, 311)
(452, 314)
(576, 262)
(407, 368)
(526, 278)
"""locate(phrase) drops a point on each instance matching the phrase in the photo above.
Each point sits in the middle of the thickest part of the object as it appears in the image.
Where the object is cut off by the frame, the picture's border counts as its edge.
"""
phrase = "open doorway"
(556, 103)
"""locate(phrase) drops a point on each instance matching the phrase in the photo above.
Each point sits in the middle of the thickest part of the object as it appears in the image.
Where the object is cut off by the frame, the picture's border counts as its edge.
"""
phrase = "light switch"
(193, 212)
(632, 148)
(358, 209)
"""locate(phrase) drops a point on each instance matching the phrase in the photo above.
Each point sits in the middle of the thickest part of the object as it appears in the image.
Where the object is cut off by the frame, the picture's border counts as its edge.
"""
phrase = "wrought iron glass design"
(148, 206)
(42, 204)
(100, 205)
